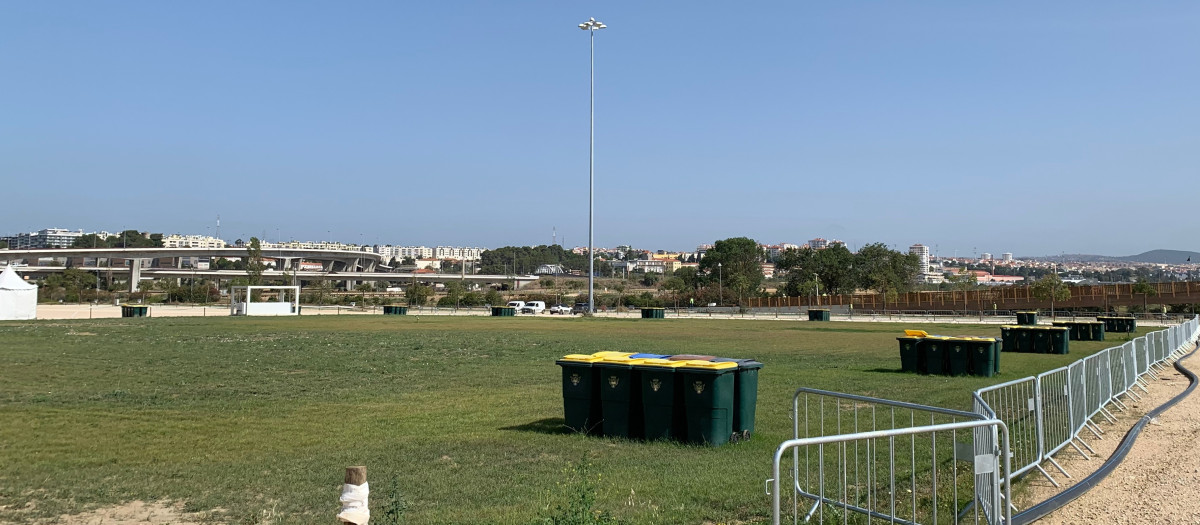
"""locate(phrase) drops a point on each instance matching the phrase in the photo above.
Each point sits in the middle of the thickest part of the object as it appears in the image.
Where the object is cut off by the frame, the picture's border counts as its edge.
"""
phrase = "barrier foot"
(1108, 415)
(1117, 404)
(1095, 429)
(1080, 451)
(1059, 467)
(1047, 474)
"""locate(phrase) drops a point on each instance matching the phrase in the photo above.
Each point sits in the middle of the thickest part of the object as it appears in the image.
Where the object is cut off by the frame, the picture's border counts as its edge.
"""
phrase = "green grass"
(249, 415)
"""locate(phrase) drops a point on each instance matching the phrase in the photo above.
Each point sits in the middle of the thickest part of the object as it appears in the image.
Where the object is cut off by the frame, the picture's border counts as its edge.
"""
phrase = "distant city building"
(818, 244)
(985, 256)
(192, 241)
(1006, 256)
(47, 238)
(922, 253)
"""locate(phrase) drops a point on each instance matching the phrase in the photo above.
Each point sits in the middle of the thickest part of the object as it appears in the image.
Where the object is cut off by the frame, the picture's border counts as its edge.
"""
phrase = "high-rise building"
(1006, 256)
(985, 256)
(818, 244)
(922, 252)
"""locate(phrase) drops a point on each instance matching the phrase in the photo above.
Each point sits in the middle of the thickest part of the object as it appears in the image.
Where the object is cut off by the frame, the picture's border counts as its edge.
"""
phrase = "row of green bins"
(503, 311)
(1026, 318)
(1083, 330)
(1036, 339)
(135, 310)
(1119, 324)
(941, 355)
(818, 314)
(392, 309)
(653, 313)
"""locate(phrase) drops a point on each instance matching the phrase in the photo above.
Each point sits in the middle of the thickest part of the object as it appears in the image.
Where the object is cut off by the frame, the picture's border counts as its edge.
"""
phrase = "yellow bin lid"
(665, 363)
(916, 333)
(612, 354)
(580, 358)
(709, 365)
(621, 360)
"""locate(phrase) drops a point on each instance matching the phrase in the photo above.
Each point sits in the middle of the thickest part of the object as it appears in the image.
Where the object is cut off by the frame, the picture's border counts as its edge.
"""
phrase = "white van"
(516, 305)
(533, 307)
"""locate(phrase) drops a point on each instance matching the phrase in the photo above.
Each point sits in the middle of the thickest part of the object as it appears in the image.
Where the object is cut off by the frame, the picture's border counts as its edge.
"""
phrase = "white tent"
(18, 299)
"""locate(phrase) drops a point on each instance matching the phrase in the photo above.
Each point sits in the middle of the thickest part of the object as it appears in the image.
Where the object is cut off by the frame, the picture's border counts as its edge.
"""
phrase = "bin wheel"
(745, 435)
(735, 437)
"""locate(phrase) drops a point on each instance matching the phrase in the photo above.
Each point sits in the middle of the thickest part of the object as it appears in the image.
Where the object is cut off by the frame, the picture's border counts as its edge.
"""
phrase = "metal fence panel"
(1054, 393)
(1141, 354)
(858, 459)
(1079, 400)
(1015, 403)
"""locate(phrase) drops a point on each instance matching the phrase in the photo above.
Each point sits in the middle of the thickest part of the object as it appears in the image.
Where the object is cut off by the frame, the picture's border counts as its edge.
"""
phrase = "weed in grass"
(394, 504)
(579, 490)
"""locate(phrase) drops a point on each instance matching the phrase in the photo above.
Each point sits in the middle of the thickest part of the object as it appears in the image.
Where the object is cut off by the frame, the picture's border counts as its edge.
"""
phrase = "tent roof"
(9, 280)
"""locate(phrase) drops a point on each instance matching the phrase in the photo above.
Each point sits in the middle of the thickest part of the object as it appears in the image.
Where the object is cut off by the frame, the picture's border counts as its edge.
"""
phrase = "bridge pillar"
(135, 274)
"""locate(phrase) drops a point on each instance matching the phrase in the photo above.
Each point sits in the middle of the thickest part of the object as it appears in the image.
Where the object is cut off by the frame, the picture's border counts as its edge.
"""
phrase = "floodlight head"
(591, 25)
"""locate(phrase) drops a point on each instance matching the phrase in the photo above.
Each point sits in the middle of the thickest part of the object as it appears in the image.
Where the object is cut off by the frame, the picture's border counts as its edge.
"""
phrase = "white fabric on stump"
(354, 504)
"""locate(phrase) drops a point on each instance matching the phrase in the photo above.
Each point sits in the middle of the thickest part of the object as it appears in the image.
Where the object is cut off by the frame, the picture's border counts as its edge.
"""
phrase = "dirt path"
(1159, 480)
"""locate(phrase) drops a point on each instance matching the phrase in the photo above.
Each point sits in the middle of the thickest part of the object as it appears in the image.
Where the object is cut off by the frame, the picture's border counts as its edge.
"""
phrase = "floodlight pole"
(591, 26)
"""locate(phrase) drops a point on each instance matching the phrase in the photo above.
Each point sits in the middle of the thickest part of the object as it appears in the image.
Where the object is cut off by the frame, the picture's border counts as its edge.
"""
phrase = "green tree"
(254, 262)
(962, 281)
(740, 265)
(1146, 289)
(1050, 287)
(418, 294)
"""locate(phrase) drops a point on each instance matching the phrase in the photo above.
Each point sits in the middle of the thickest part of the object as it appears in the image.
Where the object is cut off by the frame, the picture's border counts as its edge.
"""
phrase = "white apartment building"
(47, 238)
(457, 253)
(1006, 256)
(192, 241)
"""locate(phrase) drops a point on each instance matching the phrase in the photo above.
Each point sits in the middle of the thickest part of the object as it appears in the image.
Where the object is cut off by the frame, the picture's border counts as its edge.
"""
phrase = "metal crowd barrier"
(859, 459)
(1048, 413)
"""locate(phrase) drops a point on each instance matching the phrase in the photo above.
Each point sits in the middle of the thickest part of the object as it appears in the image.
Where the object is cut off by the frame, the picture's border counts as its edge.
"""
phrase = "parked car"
(579, 308)
(560, 309)
(533, 307)
(516, 305)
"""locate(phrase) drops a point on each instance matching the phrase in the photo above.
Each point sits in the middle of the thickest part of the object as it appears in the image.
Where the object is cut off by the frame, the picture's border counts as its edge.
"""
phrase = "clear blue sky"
(1030, 127)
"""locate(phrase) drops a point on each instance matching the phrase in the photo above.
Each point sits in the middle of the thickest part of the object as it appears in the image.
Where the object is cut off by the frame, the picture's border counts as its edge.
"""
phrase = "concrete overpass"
(331, 260)
(518, 281)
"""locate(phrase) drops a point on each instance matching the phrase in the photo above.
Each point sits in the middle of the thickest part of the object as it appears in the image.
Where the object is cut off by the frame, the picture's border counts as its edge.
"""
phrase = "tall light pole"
(817, 283)
(591, 26)
(720, 284)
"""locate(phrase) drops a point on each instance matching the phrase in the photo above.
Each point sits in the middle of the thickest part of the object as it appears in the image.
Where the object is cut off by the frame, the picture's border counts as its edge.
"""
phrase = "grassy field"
(260, 416)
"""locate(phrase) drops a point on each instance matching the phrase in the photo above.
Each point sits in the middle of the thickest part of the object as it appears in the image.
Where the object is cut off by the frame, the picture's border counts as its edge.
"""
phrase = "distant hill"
(1163, 257)
(1151, 257)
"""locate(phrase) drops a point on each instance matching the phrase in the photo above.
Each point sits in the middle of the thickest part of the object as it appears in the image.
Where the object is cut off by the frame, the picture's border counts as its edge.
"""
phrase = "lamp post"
(591, 26)
(720, 284)
(1054, 290)
(817, 283)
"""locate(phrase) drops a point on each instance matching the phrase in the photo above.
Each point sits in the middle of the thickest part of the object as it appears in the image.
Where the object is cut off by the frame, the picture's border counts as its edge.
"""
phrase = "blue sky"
(1027, 127)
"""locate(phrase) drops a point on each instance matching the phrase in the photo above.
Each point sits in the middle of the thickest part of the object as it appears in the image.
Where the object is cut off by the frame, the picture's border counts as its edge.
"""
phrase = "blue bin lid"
(649, 356)
(742, 363)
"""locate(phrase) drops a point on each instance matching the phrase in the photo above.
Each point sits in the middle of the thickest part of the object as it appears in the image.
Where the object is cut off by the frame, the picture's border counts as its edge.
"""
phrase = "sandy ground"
(1150, 485)
(132, 513)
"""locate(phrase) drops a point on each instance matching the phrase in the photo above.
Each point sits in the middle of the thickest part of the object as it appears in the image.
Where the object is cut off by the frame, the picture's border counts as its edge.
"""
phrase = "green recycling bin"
(662, 399)
(1059, 339)
(653, 313)
(1008, 335)
(395, 310)
(620, 397)
(984, 360)
(1073, 329)
(1097, 330)
(818, 314)
(1040, 338)
(503, 311)
(708, 391)
(745, 395)
(1026, 318)
(581, 392)
(911, 354)
(1023, 338)
(935, 347)
(135, 310)
(1130, 324)
(958, 356)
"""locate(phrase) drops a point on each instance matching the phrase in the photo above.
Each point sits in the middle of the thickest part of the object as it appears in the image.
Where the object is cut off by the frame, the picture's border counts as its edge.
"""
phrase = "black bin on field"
(818, 314)
(708, 391)
(912, 355)
(504, 311)
(745, 395)
(135, 310)
(1026, 318)
(663, 411)
(1059, 339)
(985, 356)
(653, 313)
(935, 350)
(581, 392)
(620, 396)
(392, 309)
(958, 356)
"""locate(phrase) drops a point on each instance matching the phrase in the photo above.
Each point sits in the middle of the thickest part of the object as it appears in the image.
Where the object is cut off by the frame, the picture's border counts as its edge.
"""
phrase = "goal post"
(280, 300)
